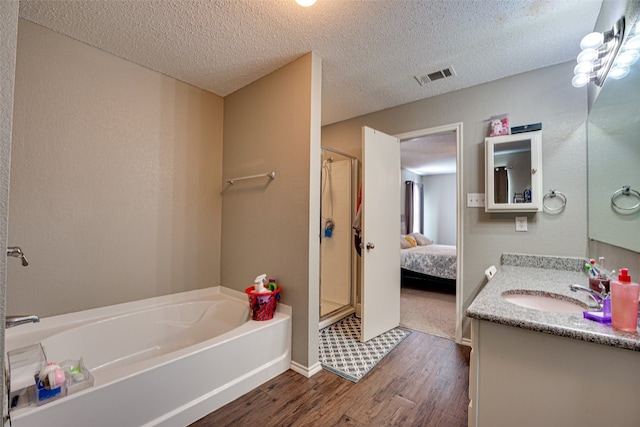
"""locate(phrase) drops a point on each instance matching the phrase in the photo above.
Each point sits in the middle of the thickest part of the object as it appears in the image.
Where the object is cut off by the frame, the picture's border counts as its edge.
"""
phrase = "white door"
(380, 233)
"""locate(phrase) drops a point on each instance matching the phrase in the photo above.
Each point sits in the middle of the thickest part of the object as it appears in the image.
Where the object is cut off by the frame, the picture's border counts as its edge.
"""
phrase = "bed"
(428, 264)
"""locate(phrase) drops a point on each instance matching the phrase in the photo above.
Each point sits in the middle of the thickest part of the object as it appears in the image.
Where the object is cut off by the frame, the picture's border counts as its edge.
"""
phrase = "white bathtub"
(164, 361)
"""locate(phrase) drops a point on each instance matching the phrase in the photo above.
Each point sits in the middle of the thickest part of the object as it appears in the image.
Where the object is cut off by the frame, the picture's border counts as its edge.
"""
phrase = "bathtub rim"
(33, 333)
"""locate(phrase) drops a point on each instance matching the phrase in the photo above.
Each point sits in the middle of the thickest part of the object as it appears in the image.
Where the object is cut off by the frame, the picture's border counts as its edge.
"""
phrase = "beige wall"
(117, 184)
(115, 179)
(546, 96)
(8, 42)
(272, 227)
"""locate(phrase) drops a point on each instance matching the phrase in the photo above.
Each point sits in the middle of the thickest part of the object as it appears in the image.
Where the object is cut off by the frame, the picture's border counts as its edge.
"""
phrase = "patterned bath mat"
(342, 353)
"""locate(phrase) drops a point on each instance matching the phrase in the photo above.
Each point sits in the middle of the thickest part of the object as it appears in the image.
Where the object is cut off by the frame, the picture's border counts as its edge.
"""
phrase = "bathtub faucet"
(12, 321)
(15, 251)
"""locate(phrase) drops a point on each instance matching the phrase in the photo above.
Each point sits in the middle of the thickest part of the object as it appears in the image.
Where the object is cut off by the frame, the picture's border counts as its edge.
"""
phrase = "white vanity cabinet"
(520, 377)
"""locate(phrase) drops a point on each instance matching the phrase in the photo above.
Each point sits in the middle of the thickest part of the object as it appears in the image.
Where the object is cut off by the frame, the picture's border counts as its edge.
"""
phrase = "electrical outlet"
(475, 200)
(471, 200)
(521, 223)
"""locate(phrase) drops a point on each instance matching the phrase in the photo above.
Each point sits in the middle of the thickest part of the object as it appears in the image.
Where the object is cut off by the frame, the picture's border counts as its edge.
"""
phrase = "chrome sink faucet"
(598, 297)
(11, 321)
(15, 251)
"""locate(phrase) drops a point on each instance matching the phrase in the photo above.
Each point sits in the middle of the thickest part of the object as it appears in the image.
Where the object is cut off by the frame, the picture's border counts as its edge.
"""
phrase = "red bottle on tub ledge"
(624, 302)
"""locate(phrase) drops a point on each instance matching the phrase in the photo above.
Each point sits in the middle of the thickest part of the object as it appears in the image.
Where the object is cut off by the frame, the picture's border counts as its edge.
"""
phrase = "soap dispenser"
(624, 302)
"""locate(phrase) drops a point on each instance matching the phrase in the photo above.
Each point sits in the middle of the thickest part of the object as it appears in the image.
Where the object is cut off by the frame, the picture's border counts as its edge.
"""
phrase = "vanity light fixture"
(599, 51)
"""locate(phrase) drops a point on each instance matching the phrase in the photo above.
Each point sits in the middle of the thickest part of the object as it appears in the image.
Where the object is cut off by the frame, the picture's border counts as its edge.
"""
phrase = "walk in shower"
(338, 257)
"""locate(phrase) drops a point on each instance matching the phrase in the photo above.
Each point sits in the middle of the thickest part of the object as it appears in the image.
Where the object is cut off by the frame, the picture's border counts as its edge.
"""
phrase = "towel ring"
(550, 195)
(626, 190)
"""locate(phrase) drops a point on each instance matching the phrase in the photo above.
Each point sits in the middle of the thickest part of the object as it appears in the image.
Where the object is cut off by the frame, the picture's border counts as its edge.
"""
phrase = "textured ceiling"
(429, 155)
(371, 50)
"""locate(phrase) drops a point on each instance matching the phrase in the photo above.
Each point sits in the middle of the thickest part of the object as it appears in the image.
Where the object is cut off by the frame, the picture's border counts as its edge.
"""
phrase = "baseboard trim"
(304, 370)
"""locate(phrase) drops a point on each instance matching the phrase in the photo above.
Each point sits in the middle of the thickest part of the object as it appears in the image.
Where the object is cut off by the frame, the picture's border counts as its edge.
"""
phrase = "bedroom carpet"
(431, 312)
(342, 353)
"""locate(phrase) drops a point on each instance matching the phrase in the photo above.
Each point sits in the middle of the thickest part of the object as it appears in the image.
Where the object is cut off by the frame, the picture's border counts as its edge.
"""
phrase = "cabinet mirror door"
(513, 174)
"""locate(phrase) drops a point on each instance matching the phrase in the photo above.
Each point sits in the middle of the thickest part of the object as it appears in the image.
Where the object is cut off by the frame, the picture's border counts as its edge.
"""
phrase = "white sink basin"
(547, 302)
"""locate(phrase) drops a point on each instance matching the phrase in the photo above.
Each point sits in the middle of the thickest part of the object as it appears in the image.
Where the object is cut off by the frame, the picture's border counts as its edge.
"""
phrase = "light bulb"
(591, 41)
(627, 57)
(633, 42)
(580, 80)
(306, 3)
(588, 55)
(619, 72)
(583, 68)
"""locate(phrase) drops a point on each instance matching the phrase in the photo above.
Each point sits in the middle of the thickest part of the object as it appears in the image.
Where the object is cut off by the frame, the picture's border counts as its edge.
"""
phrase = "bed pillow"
(421, 240)
(412, 240)
(404, 243)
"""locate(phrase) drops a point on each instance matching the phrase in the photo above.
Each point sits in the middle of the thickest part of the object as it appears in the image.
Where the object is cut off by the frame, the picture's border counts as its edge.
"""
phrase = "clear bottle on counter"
(624, 302)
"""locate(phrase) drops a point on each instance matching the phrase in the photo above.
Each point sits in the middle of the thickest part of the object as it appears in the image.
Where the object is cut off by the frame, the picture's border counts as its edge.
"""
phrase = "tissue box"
(46, 395)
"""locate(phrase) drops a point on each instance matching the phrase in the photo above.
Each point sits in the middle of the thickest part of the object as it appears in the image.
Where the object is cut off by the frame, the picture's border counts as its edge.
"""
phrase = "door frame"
(335, 316)
(457, 128)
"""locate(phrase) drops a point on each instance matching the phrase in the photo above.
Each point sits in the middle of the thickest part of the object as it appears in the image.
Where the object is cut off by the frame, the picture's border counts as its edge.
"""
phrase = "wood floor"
(422, 382)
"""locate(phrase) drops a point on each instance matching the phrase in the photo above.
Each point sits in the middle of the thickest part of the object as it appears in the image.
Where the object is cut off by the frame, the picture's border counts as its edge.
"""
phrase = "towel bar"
(271, 175)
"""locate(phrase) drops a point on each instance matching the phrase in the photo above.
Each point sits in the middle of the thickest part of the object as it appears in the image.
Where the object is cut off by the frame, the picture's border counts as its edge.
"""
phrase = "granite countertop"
(542, 274)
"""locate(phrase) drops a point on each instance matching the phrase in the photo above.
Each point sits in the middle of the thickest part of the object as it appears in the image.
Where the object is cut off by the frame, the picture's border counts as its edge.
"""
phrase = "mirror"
(613, 133)
(513, 174)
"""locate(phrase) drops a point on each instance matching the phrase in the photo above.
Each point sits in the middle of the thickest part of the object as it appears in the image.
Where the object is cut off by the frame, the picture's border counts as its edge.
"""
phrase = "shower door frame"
(350, 308)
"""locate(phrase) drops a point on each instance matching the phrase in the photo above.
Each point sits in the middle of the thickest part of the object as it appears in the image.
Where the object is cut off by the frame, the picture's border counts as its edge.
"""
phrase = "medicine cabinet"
(513, 174)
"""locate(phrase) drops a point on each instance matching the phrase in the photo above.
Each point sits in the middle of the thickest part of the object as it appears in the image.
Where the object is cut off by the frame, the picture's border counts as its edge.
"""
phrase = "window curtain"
(414, 207)
(501, 185)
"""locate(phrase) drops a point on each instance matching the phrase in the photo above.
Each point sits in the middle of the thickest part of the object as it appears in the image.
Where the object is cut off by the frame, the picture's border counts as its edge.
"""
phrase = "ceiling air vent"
(436, 75)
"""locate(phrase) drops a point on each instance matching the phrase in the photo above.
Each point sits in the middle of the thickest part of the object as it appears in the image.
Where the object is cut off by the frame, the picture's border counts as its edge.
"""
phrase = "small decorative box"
(499, 125)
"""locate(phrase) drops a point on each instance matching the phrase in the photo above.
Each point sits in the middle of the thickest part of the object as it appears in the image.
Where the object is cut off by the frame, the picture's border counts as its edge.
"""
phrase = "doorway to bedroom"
(431, 230)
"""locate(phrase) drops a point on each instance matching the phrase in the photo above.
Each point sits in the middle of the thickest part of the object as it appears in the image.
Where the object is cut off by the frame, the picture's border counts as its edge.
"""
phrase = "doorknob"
(370, 246)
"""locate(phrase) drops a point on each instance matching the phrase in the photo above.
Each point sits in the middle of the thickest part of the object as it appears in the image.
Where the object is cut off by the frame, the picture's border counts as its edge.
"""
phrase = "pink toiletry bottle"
(624, 302)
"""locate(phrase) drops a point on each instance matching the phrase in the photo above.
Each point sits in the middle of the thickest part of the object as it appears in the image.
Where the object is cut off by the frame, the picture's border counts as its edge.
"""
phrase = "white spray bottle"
(259, 283)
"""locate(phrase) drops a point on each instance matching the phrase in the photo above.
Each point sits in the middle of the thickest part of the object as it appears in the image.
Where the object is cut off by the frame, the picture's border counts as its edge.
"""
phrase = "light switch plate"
(521, 223)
